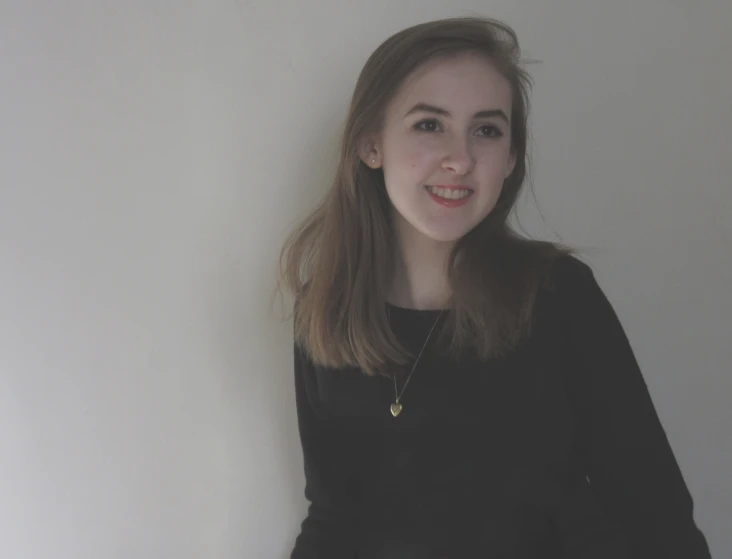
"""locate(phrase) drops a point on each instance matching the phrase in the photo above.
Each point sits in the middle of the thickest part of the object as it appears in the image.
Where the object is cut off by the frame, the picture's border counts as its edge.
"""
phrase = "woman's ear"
(369, 151)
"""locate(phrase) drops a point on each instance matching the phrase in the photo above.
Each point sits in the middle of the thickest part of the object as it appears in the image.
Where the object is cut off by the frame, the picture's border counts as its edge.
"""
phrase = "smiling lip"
(449, 202)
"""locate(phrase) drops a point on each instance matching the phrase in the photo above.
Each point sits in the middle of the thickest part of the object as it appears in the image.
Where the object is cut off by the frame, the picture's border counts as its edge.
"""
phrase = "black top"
(554, 451)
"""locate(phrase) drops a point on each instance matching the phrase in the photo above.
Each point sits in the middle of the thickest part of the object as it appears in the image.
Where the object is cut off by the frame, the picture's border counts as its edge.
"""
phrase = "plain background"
(153, 156)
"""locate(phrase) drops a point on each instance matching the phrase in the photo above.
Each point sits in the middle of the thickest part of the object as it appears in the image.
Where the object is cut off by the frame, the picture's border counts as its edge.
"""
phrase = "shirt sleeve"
(628, 460)
(327, 532)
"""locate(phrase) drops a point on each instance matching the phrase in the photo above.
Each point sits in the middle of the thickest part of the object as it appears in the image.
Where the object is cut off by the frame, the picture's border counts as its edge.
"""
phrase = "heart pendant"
(396, 409)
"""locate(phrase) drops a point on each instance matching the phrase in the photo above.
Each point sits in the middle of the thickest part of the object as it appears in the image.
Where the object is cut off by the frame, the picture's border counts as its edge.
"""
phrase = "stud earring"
(373, 161)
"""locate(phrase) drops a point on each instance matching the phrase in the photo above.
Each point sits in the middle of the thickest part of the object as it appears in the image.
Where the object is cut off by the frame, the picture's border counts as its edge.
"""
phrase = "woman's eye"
(490, 131)
(429, 125)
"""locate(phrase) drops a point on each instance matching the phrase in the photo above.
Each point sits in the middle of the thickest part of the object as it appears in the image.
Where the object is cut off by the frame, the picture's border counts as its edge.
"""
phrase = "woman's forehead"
(466, 82)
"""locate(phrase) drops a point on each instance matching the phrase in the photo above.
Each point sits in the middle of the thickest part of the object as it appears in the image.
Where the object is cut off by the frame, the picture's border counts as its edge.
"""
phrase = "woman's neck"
(420, 271)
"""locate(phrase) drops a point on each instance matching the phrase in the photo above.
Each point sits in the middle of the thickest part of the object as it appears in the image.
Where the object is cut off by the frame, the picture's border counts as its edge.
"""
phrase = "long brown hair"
(338, 263)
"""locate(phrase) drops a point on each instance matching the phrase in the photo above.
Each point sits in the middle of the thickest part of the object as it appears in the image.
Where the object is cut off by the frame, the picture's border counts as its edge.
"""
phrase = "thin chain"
(396, 390)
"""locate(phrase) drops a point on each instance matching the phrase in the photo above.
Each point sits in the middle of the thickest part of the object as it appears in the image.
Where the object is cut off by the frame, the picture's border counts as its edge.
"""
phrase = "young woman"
(462, 391)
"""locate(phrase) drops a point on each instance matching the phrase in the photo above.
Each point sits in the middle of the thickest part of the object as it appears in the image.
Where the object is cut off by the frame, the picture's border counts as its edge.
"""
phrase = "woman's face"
(445, 147)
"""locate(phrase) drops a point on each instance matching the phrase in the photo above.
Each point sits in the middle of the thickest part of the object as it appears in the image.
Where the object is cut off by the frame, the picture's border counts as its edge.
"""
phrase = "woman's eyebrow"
(425, 108)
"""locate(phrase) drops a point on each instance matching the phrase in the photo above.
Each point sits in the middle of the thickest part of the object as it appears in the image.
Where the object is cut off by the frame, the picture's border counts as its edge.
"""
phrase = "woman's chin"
(443, 236)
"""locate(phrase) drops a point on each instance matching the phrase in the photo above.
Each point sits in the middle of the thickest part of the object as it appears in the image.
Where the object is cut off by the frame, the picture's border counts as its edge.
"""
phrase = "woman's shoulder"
(568, 271)
(557, 267)
(574, 297)
(569, 286)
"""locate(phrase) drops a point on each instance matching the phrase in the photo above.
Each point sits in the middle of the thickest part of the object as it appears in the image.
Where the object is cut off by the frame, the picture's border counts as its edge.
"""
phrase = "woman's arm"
(327, 531)
(628, 459)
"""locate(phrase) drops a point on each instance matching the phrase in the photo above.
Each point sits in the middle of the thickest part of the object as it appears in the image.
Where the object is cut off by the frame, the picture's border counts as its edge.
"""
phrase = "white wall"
(153, 155)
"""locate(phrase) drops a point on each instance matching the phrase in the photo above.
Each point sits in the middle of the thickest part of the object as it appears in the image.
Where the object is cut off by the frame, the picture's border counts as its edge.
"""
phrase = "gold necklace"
(396, 408)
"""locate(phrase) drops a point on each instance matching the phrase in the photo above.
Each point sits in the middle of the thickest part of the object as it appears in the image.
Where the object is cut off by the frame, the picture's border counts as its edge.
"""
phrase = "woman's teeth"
(449, 193)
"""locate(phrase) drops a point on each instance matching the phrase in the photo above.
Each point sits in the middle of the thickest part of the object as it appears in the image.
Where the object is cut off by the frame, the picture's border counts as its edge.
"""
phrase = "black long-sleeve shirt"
(554, 451)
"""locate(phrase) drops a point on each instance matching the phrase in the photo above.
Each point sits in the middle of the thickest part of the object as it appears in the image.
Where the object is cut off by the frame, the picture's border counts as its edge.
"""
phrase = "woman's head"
(444, 146)
(439, 105)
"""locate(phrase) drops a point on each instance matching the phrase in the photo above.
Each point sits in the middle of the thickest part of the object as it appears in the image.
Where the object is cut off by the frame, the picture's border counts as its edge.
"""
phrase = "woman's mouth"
(448, 195)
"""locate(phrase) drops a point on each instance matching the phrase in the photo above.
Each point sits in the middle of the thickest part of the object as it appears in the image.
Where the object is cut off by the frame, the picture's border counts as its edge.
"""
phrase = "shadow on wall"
(251, 332)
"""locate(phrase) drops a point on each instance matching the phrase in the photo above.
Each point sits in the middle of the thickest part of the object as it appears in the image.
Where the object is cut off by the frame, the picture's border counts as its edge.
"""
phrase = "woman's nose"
(459, 159)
